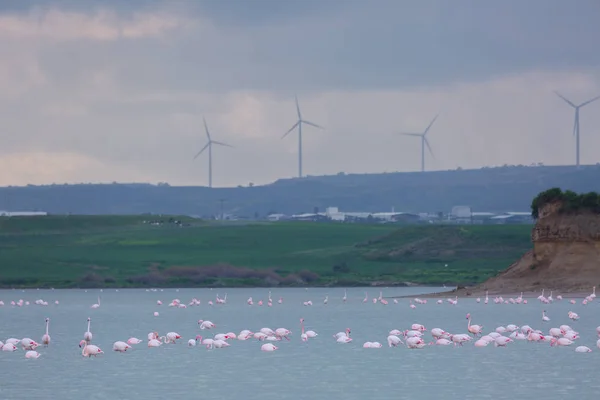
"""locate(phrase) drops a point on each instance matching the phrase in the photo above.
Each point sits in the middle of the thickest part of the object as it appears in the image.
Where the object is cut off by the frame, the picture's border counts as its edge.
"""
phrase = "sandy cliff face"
(565, 255)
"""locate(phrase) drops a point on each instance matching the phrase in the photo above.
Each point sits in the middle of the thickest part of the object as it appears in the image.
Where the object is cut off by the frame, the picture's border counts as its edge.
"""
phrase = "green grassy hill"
(95, 251)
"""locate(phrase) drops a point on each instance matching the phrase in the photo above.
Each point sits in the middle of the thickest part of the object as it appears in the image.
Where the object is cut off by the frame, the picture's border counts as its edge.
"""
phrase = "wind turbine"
(299, 125)
(424, 142)
(576, 125)
(209, 147)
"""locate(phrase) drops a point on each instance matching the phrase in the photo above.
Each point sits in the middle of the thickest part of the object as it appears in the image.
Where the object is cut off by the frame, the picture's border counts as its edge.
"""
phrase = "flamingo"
(205, 324)
(9, 347)
(545, 317)
(303, 335)
(345, 298)
(156, 342)
(133, 340)
(583, 349)
(502, 341)
(394, 341)
(87, 336)
(46, 336)
(268, 347)
(193, 342)
(89, 350)
(573, 315)
(415, 343)
(28, 344)
(35, 354)
(474, 329)
(561, 342)
(172, 337)
(121, 347)
(97, 304)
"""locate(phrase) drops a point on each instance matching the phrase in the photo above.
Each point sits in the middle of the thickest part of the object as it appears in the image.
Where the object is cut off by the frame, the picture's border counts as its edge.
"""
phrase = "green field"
(124, 251)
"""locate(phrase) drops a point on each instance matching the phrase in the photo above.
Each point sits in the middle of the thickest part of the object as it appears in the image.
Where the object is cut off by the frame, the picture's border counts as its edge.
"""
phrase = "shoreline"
(466, 293)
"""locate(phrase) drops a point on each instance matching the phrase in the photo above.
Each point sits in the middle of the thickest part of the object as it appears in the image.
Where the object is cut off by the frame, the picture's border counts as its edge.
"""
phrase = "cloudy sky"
(102, 91)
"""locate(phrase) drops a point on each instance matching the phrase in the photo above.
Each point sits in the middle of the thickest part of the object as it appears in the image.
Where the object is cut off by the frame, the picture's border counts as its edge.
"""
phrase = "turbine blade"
(429, 147)
(576, 122)
(430, 124)
(206, 129)
(221, 143)
(200, 152)
(298, 108)
(589, 101)
(291, 129)
(312, 124)
(565, 99)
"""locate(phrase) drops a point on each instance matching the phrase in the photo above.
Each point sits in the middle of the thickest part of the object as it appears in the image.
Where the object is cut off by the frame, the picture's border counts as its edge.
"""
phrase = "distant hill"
(172, 251)
(488, 189)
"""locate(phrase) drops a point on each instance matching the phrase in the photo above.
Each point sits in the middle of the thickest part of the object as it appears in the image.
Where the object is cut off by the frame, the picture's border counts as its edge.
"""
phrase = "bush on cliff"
(570, 202)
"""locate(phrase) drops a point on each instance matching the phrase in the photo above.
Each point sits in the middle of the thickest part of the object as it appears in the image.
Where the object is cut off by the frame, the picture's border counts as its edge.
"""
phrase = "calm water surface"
(317, 369)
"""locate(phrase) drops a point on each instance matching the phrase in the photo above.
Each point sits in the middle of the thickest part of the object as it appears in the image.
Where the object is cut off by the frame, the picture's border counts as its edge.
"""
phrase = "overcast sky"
(102, 91)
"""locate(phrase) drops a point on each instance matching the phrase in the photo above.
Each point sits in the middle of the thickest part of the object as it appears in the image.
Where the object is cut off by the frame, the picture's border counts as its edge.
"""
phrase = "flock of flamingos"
(412, 338)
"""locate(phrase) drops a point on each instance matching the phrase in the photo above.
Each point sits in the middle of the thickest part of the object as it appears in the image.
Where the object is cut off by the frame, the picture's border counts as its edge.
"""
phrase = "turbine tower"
(209, 147)
(576, 125)
(298, 124)
(424, 142)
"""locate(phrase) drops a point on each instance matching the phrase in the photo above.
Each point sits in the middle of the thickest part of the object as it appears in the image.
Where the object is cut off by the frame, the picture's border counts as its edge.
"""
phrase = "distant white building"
(461, 212)
(334, 214)
(276, 217)
(22, 213)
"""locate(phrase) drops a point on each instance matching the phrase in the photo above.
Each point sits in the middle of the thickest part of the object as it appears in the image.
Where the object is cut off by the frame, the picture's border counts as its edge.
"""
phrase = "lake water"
(317, 369)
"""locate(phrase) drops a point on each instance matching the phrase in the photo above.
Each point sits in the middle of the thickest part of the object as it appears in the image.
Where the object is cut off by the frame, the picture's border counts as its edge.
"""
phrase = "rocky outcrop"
(565, 255)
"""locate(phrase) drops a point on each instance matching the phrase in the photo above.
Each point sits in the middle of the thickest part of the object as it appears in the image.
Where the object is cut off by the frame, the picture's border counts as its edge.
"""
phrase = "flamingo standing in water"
(46, 336)
(133, 340)
(87, 336)
(268, 347)
(205, 324)
(303, 335)
(121, 347)
(89, 349)
(545, 317)
(97, 304)
(345, 298)
(474, 329)
(35, 354)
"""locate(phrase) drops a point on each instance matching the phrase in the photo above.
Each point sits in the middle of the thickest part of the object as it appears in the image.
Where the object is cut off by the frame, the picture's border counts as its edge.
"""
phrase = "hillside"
(488, 189)
(99, 251)
(566, 248)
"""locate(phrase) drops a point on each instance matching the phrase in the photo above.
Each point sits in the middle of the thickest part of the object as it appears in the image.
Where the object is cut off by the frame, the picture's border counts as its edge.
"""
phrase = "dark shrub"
(308, 276)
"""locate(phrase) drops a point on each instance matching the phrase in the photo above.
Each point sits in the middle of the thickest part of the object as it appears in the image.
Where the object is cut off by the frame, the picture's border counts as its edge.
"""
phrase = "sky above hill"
(102, 91)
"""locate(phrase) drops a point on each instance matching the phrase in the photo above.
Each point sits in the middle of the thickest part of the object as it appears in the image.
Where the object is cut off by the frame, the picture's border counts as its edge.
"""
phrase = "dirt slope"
(565, 257)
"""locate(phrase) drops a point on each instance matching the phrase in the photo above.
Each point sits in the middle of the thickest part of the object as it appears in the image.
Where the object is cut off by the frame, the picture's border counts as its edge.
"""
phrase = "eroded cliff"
(565, 254)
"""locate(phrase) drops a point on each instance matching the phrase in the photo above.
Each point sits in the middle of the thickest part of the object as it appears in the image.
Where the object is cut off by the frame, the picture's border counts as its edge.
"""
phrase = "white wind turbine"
(424, 142)
(576, 125)
(209, 147)
(299, 125)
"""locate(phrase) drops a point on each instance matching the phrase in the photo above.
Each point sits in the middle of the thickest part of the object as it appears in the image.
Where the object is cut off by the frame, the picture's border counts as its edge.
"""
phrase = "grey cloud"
(364, 70)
